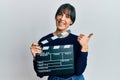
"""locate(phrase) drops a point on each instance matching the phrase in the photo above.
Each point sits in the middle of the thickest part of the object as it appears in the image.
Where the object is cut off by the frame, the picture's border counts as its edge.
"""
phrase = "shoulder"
(73, 36)
(45, 37)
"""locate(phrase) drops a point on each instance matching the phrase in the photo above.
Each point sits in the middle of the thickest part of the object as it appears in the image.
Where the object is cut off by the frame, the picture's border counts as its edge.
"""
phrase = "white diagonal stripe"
(46, 48)
(56, 47)
(67, 46)
(54, 37)
(44, 42)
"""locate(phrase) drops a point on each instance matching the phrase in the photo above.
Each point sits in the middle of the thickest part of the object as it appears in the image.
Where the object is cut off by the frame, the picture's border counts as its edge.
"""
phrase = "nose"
(63, 17)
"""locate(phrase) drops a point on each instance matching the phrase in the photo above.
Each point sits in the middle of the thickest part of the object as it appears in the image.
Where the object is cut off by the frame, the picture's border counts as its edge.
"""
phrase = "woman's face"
(63, 20)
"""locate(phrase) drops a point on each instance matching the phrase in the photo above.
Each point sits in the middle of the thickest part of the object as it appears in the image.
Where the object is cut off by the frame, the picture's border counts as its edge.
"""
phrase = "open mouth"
(61, 23)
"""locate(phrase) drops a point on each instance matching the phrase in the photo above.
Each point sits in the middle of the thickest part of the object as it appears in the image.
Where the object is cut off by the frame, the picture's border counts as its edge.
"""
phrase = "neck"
(58, 32)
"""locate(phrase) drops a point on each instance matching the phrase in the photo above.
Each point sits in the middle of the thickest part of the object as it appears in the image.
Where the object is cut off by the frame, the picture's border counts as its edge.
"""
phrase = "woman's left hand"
(83, 41)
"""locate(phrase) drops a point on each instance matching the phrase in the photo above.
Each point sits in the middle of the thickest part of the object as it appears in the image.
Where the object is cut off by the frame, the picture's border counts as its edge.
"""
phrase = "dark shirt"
(80, 58)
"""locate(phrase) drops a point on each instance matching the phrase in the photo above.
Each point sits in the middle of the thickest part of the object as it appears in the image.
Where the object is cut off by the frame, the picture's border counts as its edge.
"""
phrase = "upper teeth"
(62, 23)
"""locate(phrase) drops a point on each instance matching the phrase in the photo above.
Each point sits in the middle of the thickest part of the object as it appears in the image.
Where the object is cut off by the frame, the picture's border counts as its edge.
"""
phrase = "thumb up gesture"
(83, 41)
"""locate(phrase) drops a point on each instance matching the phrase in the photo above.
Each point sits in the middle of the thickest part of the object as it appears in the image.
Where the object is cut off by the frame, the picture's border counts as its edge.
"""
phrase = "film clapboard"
(55, 60)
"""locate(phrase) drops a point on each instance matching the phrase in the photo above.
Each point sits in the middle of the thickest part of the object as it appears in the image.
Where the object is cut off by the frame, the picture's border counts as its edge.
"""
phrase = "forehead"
(65, 11)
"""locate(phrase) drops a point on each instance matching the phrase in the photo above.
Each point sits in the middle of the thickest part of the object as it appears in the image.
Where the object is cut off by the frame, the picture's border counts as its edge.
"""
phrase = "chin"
(61, 27)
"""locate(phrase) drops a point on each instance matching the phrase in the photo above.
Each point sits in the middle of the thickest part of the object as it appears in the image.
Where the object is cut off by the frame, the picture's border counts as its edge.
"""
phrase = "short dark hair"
(69, 7)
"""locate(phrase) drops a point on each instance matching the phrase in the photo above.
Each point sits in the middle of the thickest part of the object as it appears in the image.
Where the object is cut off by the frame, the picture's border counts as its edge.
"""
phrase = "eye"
(59, 13)
(67, 16)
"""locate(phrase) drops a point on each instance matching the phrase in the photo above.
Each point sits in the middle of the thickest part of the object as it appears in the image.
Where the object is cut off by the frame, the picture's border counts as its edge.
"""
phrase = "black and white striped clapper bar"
(55, 60)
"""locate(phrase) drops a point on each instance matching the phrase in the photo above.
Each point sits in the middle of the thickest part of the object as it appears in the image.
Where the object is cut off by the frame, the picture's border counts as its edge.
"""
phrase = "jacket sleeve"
(35, 68)
(81, 63)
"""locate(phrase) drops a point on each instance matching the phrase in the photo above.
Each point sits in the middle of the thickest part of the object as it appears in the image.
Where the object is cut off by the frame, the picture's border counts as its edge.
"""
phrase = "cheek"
(57, 18)
(69, 22)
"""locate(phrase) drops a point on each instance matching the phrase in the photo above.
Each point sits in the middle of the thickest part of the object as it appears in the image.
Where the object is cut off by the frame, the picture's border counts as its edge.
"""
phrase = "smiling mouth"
(61, 23)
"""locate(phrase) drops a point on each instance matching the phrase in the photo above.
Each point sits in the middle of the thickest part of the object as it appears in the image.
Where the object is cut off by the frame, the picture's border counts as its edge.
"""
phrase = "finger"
(37, 51)
(80, 36)
(39, 48)
(36, 48)
(35, 44)
(89, 36)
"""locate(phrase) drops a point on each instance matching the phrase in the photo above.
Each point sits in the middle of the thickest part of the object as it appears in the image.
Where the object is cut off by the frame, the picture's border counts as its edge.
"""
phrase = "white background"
(23, 22)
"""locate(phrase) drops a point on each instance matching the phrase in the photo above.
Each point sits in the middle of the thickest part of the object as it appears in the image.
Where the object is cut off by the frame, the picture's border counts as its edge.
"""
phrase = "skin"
(63, 21)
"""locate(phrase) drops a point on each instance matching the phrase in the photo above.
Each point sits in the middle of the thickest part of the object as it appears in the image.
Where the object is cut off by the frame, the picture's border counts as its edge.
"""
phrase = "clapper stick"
(55, 37)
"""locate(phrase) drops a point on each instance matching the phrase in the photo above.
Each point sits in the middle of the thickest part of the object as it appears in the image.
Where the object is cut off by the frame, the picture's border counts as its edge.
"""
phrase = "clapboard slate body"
(55, 60)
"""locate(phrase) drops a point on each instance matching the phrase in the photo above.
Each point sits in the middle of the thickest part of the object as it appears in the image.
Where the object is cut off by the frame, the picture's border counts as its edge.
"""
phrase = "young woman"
(65, 17)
